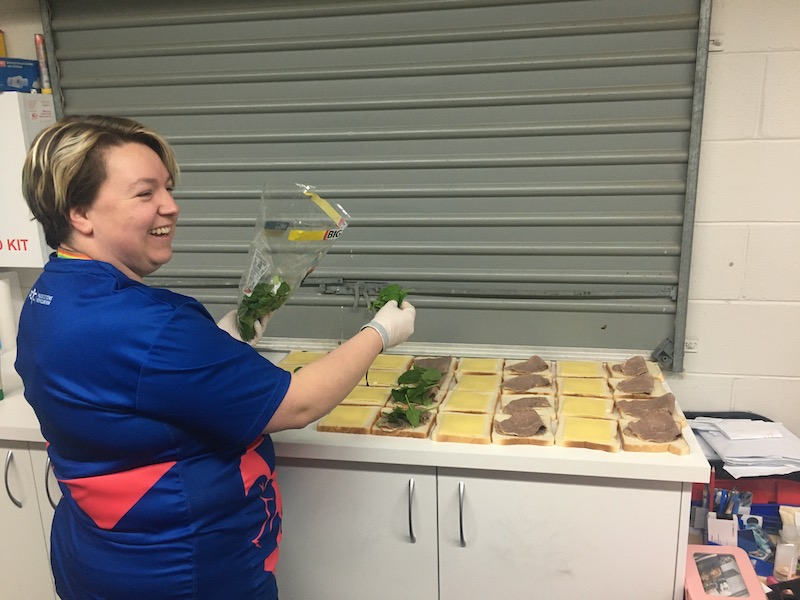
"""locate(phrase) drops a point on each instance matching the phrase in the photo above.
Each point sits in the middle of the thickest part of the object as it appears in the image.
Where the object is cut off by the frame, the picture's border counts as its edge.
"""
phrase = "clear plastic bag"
(295, 229)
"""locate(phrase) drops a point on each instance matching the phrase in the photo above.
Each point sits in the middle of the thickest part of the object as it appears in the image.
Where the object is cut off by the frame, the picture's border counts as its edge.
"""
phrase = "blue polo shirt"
(153, 418)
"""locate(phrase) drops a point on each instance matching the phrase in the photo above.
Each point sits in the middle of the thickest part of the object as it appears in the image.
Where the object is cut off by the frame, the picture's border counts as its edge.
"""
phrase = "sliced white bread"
(383, 426)
(483, 366)
(392, 362)
(635, 408)
(631, 442)
(472, 382)
(614, 370)
(593, 387)
(544, 404)
(516, 428)
(618, 385)
(580, 368)
(367, 396)
(349, 419)
(581, 406)
(583, 432)
(469, 402)
(463, 428)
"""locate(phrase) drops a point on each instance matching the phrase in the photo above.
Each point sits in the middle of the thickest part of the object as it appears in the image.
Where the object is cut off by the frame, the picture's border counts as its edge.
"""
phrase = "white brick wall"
(744, 291)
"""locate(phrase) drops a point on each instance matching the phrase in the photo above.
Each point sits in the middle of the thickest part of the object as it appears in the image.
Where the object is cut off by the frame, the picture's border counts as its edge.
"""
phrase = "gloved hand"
(394, 325)
(228, 323)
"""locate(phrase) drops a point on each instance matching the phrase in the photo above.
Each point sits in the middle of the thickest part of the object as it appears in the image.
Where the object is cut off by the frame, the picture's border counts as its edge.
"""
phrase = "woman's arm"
(319, 386)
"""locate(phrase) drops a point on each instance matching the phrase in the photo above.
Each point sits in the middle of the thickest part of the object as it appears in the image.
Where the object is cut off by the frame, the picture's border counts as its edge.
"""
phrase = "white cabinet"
(47, 487)
(24, 563)
(357, 531)
(522, 535)
(500, 534)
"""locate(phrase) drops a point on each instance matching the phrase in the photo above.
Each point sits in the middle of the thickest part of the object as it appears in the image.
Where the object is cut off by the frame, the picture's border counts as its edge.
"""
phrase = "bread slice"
(580, 368)
(582, 432)
(383, 427)
(510, 402)
(485, 366)
(472, 382)
(392, 362)
(464, 428)
(580, 406)
(544, 437)
(583, 386)
(349, 419)
(633, 443)
(634, 408)
(614, 370)
(368, 396)
(469, 402)
(299, 358)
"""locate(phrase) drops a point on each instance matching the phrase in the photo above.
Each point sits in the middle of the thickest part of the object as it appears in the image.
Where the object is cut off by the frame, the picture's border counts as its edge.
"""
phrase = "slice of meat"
(638, 408)
(523, 423)
(533, 365)
(634, 366)
(526, 403)
(526, 382)
(655, 426)
(641, 384)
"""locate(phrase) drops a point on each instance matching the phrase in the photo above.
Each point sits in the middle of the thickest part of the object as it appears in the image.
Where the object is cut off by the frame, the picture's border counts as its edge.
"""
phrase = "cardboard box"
(19, 75)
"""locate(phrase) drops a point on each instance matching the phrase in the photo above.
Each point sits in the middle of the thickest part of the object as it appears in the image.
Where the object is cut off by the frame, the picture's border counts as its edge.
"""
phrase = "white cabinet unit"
(24, 563)
(357, 531)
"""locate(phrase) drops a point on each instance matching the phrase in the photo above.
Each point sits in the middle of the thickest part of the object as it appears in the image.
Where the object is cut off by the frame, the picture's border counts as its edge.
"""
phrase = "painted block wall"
(744, 293)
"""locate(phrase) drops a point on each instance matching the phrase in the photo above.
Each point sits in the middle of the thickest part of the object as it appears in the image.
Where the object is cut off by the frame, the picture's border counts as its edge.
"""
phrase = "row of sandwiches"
(609, 406)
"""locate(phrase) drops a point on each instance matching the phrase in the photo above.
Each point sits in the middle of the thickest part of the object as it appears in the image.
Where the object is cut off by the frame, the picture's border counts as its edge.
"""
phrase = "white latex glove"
(228, 323)
(394, 325)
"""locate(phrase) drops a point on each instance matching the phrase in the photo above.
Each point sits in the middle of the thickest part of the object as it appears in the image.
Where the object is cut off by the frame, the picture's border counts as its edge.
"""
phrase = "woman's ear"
(79, 220)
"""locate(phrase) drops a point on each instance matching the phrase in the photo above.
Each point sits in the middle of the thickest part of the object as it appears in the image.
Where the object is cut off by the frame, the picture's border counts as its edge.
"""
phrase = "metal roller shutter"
(525, 168)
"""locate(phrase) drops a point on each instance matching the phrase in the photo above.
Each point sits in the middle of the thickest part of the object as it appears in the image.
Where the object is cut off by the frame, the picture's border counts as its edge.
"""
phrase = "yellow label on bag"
(301, 235)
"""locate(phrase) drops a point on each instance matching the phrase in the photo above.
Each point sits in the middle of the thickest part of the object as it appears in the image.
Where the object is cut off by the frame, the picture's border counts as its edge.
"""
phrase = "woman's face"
(132, 220)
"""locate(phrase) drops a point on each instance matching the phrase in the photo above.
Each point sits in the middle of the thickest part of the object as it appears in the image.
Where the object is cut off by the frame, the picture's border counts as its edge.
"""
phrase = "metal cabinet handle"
(9, 458)
(461, 488)
(411, 535)
(47, 482)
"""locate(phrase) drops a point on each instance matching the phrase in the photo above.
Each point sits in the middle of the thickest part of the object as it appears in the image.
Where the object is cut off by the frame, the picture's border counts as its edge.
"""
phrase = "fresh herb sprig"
(391, 292)
(413, 397)
(267, 297)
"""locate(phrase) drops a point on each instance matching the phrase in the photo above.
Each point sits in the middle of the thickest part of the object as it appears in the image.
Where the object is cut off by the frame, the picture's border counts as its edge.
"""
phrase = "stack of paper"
(750, 448)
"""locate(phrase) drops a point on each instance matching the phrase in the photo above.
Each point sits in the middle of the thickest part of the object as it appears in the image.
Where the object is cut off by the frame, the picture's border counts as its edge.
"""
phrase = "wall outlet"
(691, 346)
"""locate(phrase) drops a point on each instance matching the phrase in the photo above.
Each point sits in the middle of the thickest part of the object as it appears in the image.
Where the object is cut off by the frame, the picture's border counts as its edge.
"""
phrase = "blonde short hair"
(65, 166)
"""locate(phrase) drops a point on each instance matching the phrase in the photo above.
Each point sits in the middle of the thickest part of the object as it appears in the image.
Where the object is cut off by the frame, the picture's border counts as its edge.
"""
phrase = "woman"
(156, 419)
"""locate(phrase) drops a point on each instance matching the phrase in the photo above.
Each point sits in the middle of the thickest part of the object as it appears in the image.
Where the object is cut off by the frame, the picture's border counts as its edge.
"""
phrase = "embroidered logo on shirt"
(39, 298)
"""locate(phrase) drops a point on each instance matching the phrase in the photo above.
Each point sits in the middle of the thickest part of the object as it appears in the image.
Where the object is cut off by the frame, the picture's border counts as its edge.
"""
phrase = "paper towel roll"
(8, 315)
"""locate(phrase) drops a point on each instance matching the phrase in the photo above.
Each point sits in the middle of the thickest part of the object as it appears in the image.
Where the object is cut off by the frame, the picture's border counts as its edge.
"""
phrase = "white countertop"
(18, 423)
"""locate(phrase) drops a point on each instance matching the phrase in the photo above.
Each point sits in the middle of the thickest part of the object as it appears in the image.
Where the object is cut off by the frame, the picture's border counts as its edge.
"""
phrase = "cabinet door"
(46, 487)
(347, 533)
(24, 563)
(541, 536)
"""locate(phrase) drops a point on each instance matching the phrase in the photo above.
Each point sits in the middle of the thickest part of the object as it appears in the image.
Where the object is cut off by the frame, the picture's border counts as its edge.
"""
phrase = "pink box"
(714, 572)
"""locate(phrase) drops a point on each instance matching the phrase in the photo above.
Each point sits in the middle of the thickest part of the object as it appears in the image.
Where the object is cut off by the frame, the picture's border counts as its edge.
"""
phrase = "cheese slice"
(469, 402)
(583, 386)
(368, 396)
(598, 408)
(299, 358)
(380, 378)
(584, 432)
(472, 382)
(392, 362)
(580, 368)
(480, 365)
(475, 428)
(349, 419)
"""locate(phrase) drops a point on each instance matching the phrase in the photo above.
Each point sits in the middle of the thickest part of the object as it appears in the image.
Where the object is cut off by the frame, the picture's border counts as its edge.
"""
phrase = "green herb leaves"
(267, 297)
(390, 292)
(413, 397)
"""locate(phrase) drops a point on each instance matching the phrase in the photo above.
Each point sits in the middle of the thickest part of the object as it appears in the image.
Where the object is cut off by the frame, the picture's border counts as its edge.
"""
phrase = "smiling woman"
(160, 446)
